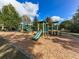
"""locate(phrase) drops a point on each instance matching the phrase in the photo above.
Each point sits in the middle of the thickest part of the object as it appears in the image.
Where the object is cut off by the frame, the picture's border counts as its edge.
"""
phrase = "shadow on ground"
(71, 45)
(7, 51)
(26, 43)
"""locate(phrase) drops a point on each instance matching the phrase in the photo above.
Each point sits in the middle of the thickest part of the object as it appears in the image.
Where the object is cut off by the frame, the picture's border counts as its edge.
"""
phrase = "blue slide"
(37, 35)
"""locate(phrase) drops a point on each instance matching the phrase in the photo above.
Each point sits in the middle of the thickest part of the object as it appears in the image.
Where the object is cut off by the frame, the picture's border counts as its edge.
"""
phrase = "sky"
(56, 9)
(61, 8)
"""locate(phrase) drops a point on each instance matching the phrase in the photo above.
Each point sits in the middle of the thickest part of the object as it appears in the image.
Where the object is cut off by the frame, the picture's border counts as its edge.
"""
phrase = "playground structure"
(43, 29)
(25, 27)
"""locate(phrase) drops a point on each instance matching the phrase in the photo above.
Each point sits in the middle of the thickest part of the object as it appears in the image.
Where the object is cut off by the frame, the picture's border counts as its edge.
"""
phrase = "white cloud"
(31, 8)
(27, 8)
(57, 18)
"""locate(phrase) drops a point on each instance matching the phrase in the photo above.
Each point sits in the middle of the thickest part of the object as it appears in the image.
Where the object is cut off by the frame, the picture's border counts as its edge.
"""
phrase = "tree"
(75, 28)
(26, 22)
(9, 17)
(1, 18)
(75, 18)
(66, 24)
(75, 21)
(49, 21)
(26, 19)
(35, 23)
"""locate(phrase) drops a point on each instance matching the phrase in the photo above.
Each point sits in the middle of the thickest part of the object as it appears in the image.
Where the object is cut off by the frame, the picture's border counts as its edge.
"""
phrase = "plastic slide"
(37, 35)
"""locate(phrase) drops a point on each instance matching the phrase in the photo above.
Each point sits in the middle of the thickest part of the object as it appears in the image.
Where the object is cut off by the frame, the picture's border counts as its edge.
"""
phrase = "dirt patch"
(51, 47)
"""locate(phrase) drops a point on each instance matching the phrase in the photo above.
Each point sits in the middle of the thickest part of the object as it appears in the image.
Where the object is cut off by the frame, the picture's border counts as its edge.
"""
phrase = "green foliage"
(9, 17)
(66, 24)
(35, 23)
(75, 28)
(49, 20)
(1, 18)
(72, 26)
(77, 14)
(75, 25)
(75, 18)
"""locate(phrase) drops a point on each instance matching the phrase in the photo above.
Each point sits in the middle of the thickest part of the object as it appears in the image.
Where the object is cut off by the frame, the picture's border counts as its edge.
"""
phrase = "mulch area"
(51, 47)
